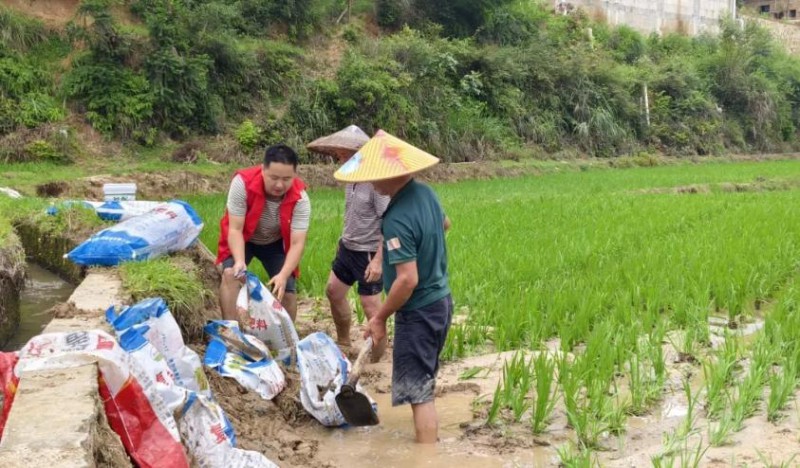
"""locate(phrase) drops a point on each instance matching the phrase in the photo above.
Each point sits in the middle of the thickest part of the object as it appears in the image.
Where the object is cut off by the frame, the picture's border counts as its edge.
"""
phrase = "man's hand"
(374, 270)
(278, 286)
(239, 270)
(376, 328)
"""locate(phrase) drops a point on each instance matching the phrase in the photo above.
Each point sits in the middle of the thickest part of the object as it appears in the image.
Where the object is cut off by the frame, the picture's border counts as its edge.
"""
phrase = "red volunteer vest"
(256, 199)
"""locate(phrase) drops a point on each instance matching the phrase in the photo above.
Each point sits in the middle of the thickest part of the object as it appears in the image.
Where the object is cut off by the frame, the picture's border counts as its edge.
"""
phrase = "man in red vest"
(267, 217)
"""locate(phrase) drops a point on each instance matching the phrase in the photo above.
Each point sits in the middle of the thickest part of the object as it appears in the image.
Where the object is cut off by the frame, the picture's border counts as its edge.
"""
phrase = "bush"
(37, 108)
(248, 135)
(44, 151)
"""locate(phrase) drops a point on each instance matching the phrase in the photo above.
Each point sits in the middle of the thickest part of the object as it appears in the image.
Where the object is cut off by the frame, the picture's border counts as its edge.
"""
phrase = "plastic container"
(119, 192)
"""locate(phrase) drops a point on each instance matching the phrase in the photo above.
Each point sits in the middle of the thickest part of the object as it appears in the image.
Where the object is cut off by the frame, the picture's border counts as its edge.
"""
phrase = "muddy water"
(42, 291)
(391, 444)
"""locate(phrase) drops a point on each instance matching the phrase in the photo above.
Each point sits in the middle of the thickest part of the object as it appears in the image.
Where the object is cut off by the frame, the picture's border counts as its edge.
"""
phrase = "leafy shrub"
(248, 135)
(44, 151)
(38, 108)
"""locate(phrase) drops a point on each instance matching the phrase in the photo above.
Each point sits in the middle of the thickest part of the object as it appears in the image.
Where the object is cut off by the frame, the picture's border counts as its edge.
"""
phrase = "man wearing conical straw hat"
(359, 253)
(414, 272)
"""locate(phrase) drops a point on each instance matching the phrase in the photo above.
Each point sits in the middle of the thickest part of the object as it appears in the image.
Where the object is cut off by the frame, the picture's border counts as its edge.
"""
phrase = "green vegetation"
(464, 80)
(174, 280)
(614, 264)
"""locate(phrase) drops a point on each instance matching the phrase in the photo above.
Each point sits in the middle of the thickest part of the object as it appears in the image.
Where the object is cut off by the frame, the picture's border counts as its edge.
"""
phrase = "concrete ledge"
(57, 418)
(51, 420)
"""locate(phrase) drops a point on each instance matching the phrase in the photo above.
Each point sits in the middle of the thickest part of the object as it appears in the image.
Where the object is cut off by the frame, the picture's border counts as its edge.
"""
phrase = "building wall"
(786, 34)
(778, 9)
(661, 16)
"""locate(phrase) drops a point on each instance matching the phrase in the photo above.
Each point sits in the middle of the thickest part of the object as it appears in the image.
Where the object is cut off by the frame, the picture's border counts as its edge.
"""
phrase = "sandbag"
(268, 320)
(155, 321)
(205, 430)
(134, 408)
(110, 210)
(244, 358)
(323, 370)
(8, 386)
(169, 227)
(204, 426)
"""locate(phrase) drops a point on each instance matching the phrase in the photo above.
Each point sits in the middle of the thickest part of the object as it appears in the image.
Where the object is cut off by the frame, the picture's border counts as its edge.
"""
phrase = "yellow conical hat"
(384, 157)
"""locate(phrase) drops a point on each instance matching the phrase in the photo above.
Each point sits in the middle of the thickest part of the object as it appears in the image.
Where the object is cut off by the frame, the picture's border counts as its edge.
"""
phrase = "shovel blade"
(356, 407)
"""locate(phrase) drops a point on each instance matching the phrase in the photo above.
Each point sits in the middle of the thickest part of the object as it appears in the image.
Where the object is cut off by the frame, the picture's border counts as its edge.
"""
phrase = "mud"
(760, 185)
(107, 447)
(274, 428)
(12, 274)
(150, 185)
(53, 13)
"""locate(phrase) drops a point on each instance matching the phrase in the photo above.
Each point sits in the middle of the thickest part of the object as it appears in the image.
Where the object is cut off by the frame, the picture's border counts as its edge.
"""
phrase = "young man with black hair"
(267, 216)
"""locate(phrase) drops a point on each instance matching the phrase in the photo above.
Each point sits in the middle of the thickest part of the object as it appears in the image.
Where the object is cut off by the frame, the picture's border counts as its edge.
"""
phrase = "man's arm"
(402, 288)
(297, 245)
(447, 223)
(236, 243)
(375, 266)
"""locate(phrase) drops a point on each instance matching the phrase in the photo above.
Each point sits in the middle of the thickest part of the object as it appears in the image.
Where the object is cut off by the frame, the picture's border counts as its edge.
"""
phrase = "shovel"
(354, 406)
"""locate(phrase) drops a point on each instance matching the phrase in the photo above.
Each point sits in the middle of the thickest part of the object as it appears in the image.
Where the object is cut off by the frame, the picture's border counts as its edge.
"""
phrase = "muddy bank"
(48, 249)
(12, 275)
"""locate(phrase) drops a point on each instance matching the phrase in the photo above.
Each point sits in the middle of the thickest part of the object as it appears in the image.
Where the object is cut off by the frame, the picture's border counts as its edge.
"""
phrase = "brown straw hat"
(341, 144)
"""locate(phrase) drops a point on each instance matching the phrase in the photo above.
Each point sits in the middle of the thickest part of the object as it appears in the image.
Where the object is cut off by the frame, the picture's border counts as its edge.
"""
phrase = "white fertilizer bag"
(211, 444)
(243, 358)
(267, 320)
(152, 318)
(167, 228)
(134, 407)
(155, 364)
(323, 370)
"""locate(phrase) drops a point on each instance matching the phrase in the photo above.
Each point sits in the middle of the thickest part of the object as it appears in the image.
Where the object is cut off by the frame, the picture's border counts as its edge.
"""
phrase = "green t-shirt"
(413, 229)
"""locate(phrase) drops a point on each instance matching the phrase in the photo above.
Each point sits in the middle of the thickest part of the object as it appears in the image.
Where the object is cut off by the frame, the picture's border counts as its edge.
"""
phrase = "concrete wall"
(660, 16)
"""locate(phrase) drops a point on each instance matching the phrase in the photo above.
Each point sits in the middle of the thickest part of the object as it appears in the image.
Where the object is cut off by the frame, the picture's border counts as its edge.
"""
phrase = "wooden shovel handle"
(362, 355)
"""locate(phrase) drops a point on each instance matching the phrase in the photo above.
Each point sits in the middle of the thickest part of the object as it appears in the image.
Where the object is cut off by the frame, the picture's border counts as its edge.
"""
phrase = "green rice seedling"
(691, 457)
(678, 449)
(617, 415)
(637, 384)
(569, 379)
(748, 395)
(769, 462)
(571, 456)
(781, 387)
(544, 403)
(719, 432)
(718, 375)
(494, 409)
(521, 379)
(687, 425)
(471, 373)
(512, 391)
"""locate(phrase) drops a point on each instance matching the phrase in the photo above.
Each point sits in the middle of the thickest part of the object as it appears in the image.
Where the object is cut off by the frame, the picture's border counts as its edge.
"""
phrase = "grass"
(177, 283)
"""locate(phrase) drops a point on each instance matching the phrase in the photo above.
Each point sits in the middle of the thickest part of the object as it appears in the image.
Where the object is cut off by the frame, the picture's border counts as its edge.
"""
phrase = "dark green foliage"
(474, 80)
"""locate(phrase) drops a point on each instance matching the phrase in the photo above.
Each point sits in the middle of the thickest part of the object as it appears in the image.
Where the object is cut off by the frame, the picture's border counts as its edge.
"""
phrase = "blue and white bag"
(323, 370)
(244, 358)
(268, 320)
(167, 228)
(153, 320)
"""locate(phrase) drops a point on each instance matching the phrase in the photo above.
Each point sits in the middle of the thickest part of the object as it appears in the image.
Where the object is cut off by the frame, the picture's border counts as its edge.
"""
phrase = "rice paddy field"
(616, 286)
